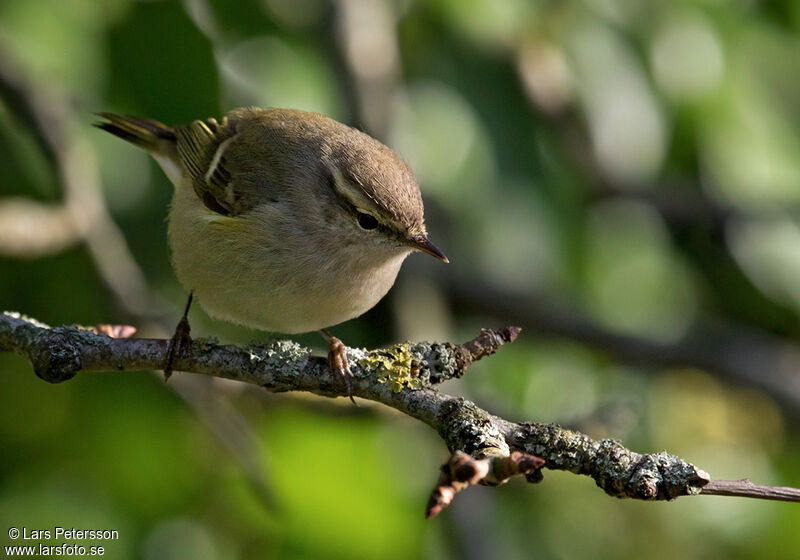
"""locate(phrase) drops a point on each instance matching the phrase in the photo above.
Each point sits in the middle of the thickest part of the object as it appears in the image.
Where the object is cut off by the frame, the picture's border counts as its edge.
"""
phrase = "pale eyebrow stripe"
(353, 195)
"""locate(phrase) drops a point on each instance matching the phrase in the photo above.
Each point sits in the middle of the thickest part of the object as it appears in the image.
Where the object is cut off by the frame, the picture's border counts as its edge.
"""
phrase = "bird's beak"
(424, 245)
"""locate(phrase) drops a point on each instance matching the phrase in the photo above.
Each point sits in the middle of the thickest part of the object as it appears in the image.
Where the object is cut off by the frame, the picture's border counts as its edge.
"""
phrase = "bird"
(283, 220)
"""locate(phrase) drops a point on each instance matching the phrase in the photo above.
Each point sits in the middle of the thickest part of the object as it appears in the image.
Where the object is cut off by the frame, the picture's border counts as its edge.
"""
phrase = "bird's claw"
(338, 365)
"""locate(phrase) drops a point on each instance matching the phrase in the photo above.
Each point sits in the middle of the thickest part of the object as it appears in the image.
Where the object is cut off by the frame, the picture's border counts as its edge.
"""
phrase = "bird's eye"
(366, 221)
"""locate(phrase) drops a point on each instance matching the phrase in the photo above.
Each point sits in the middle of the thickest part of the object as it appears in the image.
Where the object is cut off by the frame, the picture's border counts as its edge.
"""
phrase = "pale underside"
(256, 270)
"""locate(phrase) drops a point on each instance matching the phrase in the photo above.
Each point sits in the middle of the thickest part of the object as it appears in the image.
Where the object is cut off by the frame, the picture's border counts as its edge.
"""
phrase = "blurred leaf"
(329, 478)
(628, 130)
(269, 72)
(636, 284)
(750, 148)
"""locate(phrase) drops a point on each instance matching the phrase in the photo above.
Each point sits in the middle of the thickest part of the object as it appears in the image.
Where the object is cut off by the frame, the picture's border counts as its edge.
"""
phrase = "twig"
(746, 489)
(405, 377)
(733, 351)
(463, 470)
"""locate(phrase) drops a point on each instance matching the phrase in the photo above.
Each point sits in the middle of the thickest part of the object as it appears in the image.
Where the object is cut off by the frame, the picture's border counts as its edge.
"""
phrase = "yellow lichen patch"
(207, 343)
(393, 365)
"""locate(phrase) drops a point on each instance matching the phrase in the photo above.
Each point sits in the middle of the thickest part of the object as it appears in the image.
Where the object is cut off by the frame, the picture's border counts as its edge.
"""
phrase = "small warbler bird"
(282, 220)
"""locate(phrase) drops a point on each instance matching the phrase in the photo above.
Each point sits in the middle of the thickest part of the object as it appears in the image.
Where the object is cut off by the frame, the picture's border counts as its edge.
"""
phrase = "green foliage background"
(636, 162)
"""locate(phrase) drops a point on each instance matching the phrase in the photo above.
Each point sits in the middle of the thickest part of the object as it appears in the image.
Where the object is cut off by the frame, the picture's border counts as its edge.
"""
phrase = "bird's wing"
(201, 148)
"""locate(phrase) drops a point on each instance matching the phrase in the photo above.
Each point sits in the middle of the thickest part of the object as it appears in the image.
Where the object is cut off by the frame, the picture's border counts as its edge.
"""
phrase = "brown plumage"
(283, 220)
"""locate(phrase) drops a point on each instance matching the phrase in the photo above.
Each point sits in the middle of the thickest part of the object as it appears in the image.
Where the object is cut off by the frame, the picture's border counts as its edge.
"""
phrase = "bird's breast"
(258, 270)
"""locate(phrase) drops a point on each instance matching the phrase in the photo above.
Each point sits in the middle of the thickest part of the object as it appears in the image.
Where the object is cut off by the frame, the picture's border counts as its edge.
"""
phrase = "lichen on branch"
(485, 448)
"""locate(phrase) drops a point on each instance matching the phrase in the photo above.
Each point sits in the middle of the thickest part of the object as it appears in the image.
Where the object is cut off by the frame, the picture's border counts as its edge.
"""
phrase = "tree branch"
(486, 449)
(735, 352)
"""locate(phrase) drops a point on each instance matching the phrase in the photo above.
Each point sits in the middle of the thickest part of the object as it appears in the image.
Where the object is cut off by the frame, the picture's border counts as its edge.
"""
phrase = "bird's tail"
(148, 134)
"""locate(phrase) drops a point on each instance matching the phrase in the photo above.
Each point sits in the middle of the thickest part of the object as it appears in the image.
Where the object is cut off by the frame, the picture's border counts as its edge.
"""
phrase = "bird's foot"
(337, 362)
(180, 341)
